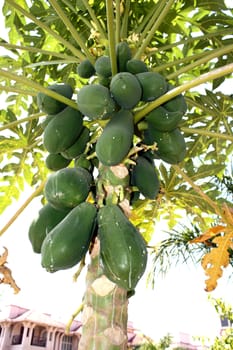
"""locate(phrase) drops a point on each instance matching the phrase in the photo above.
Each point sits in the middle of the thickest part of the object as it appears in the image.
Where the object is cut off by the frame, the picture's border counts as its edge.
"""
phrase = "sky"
(178, 303)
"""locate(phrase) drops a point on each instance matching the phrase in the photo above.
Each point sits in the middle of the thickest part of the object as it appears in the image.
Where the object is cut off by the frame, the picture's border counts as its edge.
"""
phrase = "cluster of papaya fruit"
(72, 216)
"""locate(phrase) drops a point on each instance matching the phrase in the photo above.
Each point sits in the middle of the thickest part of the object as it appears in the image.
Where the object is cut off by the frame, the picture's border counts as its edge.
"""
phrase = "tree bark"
(105, 312)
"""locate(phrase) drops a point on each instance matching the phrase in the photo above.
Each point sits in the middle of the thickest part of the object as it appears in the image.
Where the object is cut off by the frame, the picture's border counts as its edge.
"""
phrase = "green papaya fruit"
(104, 81)
(126, 90)
(153, 85)
(95, 101)
(85, 69)
(116, 139)
(47, 218)
(63, 130)
(145, 177)
(49, 104)
(171, 144)
(123, 251)
(177, 103)
(47, 120)
(68, 242)
(55, 161)
(83, 162)
(123, 54)
(162, 119)
(103, 66)
(78, 146)
(68, 187)
(136, 66)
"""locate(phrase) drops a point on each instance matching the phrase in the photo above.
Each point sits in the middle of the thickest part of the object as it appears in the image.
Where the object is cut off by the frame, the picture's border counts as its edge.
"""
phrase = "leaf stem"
(20, 121)
(71, 28)
(124, 26)
(47, 29)
(154, 14)
(118, 21)
(111, 35)
(190, 40)
(153, 29)
(206, 58)
(37, 87)
(23, 206)
(206, 198)
(18, 91)
(102, 32)
(38, 50)
(75, 314)
(206, 133)
(214, 74)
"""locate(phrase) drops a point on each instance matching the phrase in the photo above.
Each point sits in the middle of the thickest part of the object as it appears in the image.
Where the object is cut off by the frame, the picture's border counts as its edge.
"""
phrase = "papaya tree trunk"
(105, 312)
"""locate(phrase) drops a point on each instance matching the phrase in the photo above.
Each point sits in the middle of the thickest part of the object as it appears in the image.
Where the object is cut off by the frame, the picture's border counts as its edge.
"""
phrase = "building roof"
(16, 314)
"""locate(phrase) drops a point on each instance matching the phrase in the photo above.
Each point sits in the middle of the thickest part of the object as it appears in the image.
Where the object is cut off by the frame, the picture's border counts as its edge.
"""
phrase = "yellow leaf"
(217, 259)
(6, 272)
(228, 213)
(210, 233)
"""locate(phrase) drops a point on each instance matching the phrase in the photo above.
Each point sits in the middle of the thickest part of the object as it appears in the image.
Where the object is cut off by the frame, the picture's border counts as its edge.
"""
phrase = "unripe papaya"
(164, 120)
(69, 241)
(123, 251)
(47, 218)
(95, 101)
(85, 69)
(145, 178)
(49, 104)
(68, 187)
(83, 162)
(123, 54)
(136, 66)
(153, 85)
(126, 90)
(55, 161)
(171, 145)
(116, 139)
(47, 120)
(63, 130)
(177, 103)
(103, 66)
(78, 146)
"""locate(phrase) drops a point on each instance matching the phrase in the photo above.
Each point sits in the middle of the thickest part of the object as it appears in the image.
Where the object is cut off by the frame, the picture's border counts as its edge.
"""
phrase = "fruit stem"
(47, 29)
(214, 74)
(160, 18)
(111, 35)
(21, 209)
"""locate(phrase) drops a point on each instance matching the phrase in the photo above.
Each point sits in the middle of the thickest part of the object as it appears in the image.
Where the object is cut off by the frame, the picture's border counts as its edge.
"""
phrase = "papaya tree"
(116, 116)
